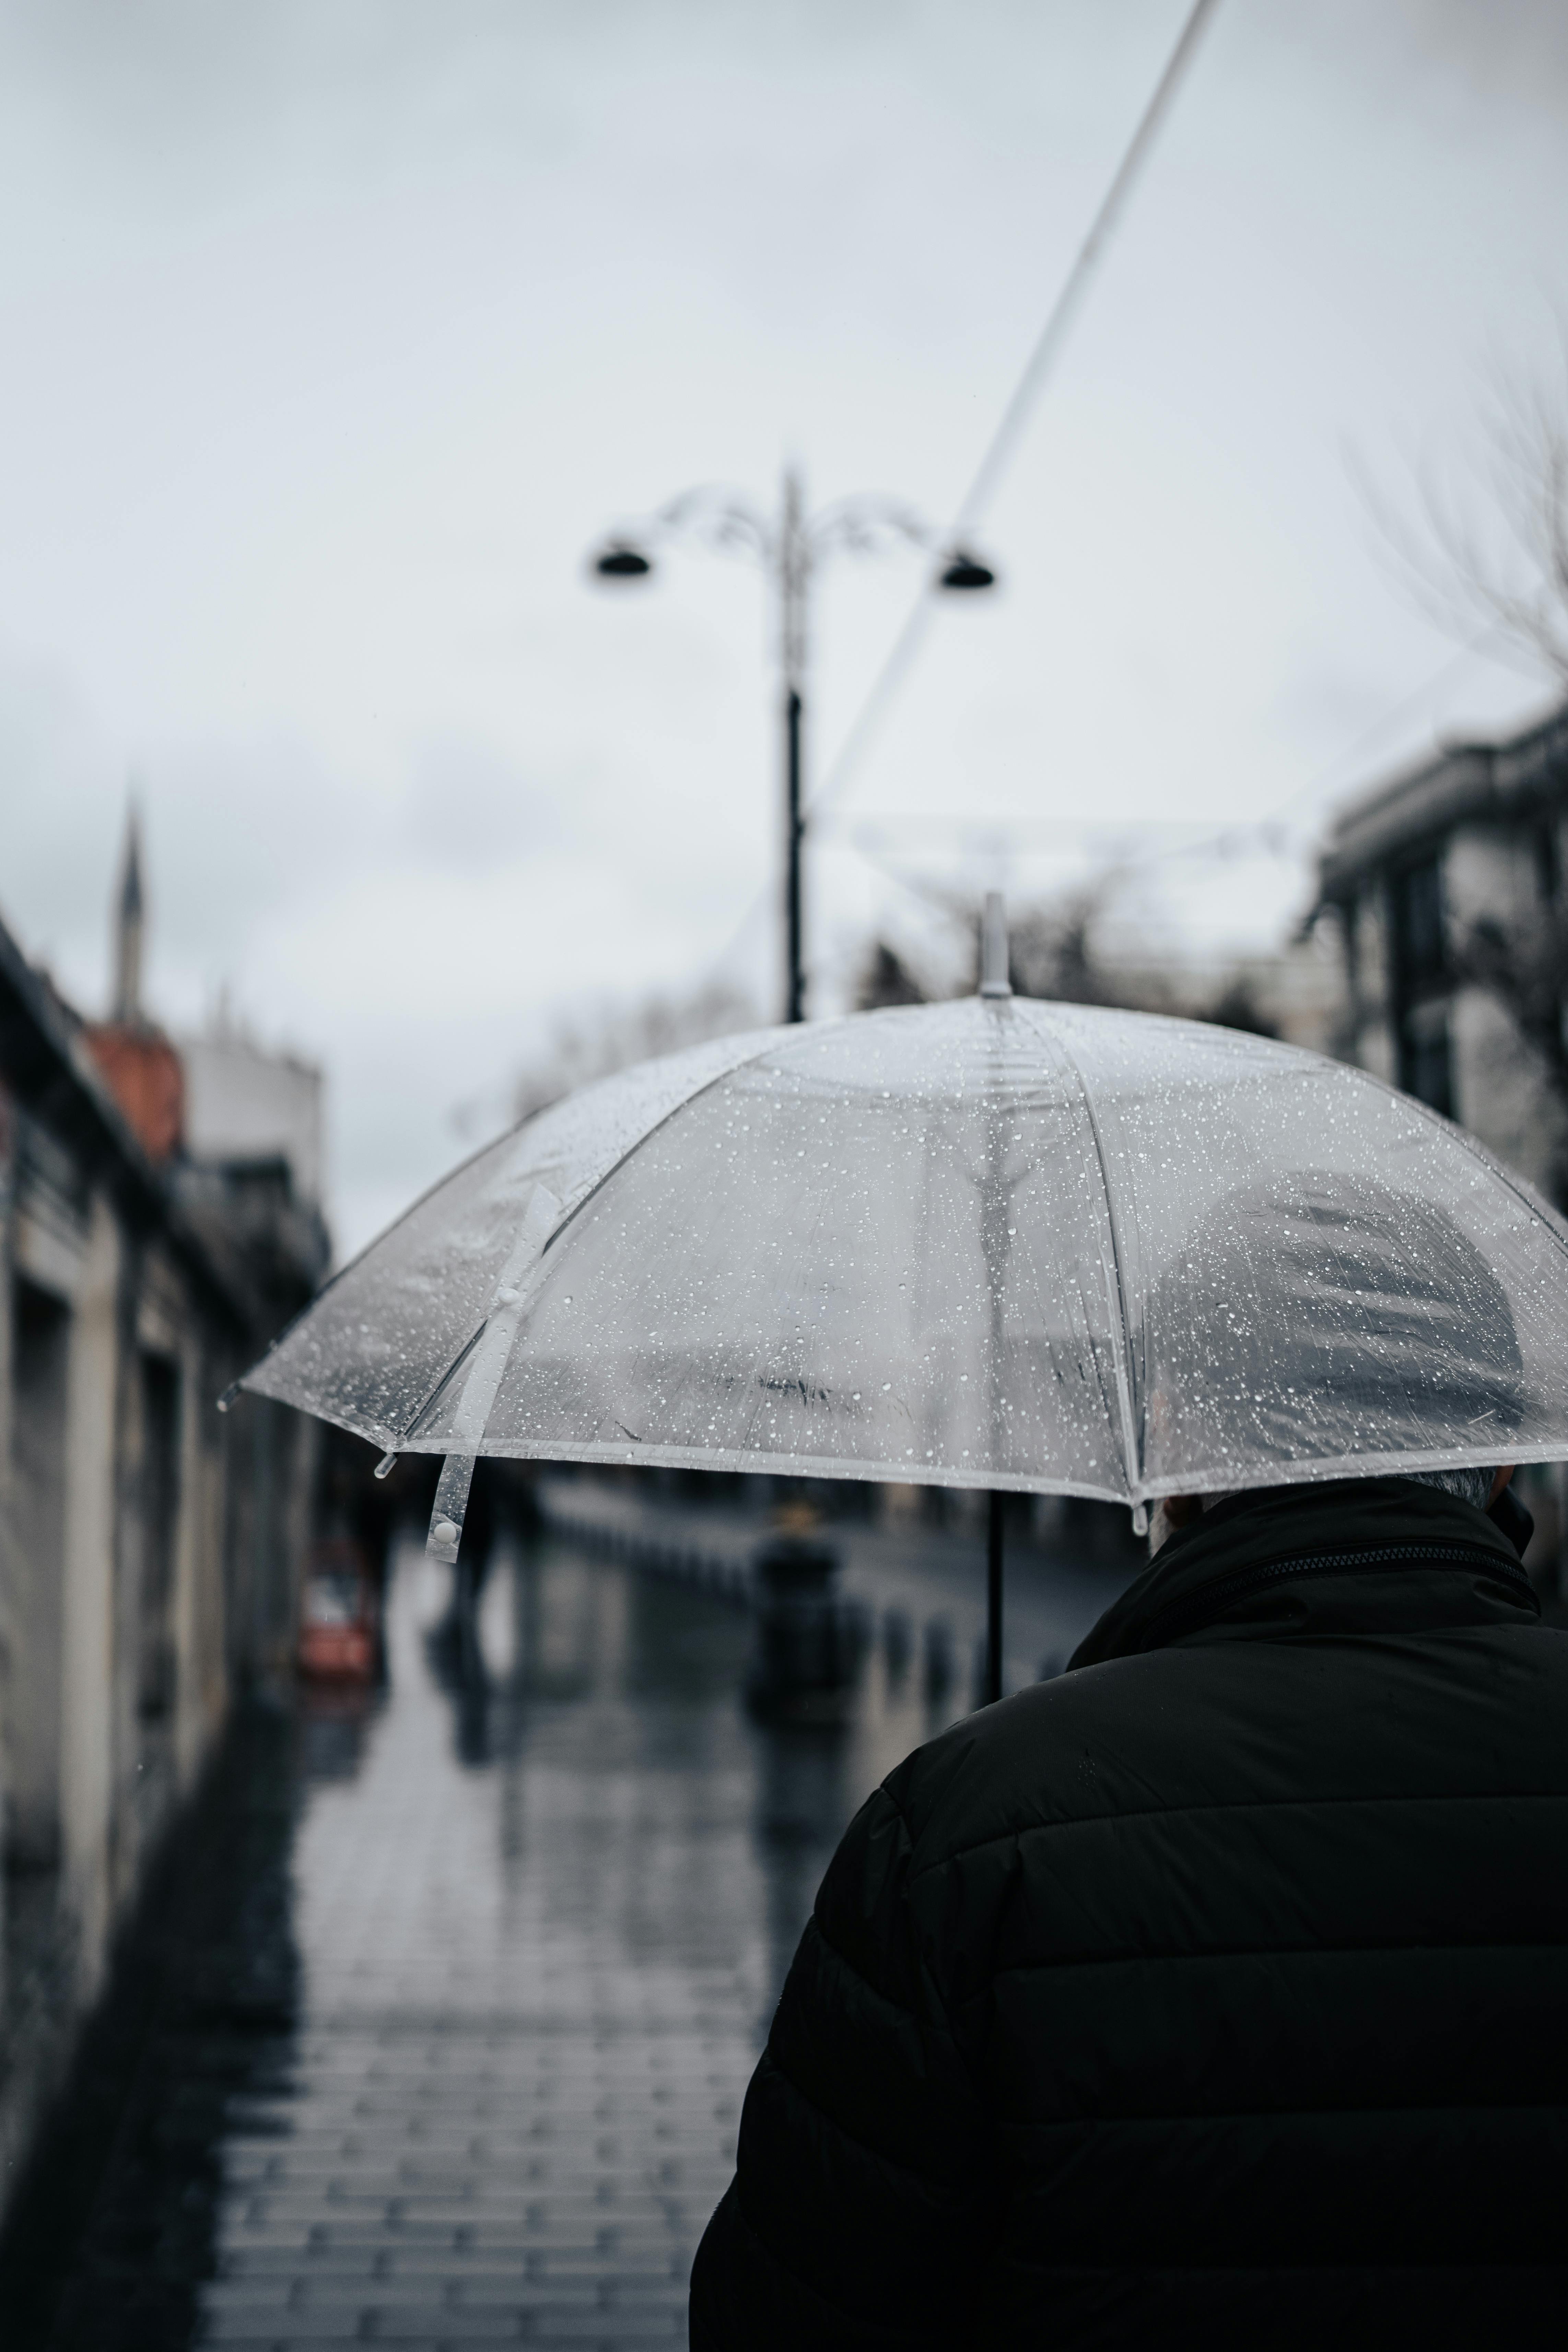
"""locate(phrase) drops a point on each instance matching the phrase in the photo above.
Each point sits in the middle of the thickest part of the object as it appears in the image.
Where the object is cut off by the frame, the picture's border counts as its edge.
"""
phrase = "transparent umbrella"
(994, 1243)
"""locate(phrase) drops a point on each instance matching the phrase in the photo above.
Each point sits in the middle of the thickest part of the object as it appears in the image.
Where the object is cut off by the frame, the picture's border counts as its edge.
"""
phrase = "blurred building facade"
(244, 1103)
(149, 1546)
(1445, 885)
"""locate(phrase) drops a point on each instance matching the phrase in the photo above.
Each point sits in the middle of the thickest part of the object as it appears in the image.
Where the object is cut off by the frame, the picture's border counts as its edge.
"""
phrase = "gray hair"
(1470, 1485)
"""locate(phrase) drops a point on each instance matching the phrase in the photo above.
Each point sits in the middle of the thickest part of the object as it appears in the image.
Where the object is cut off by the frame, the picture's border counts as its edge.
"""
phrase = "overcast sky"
(337, 330)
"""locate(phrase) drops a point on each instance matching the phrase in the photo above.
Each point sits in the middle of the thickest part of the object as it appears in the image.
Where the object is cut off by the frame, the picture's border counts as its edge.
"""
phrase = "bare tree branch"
(1493, 549)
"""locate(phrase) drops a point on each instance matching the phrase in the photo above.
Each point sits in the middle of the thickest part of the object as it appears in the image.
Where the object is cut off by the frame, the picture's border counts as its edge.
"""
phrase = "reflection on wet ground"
(442, 2024)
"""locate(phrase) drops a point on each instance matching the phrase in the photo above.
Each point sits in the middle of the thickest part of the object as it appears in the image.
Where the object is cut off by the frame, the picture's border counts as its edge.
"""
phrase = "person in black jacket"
(1214, 1991)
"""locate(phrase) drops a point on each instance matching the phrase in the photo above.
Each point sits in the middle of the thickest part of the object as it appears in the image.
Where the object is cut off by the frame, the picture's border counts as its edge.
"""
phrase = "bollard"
(806, 1658)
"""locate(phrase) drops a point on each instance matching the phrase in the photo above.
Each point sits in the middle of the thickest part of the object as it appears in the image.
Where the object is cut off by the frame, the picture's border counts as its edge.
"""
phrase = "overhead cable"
(1003, 442)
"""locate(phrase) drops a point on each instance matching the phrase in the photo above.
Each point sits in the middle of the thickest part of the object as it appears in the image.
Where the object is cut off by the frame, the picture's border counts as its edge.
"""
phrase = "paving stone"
(245, 2325)
(608, 2328)
(421, 2322)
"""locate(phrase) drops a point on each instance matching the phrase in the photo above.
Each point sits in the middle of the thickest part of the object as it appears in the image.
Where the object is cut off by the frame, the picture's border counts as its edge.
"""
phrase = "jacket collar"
(1324, 1559)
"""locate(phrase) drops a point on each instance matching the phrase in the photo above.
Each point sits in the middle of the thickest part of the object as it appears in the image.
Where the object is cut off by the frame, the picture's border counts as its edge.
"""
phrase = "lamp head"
(620, 561)
(965, 570)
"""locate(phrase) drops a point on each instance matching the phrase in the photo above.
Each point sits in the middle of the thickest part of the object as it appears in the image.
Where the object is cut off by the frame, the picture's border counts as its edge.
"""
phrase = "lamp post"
(789, 547)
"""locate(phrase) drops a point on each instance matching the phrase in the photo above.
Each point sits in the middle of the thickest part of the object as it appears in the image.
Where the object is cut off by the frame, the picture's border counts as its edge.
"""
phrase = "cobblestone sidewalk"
(446, 2020)
(533, 1928)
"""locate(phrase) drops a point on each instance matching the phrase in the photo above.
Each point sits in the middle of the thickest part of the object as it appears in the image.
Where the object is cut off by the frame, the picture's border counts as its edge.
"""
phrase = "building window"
(1419, 975)
(1426, 1064)
(1419, 947)
(1350, 937)
(1548, 865)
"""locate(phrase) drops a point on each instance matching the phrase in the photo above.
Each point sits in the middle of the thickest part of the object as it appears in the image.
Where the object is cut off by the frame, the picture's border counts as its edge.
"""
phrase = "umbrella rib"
(458, 1360)
(560, 1225)
(357, 1260)
(744, 1061)
(1116, 1292)
(519, 1276)
(771, 1038)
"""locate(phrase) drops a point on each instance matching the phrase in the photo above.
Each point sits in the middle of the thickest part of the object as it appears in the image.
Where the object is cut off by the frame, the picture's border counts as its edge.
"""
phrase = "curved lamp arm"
(868, 525)
(715, 517)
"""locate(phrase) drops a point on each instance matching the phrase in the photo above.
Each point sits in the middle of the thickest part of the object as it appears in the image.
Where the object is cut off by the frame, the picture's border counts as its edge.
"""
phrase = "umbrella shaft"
(993, 1600)
(794, 829)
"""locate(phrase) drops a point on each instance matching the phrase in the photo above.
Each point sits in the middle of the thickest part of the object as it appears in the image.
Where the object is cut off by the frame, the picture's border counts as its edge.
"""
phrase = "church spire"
(127, 927)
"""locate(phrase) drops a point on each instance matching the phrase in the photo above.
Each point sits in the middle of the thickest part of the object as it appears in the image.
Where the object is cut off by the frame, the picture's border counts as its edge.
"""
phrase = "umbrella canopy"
(994, 1243)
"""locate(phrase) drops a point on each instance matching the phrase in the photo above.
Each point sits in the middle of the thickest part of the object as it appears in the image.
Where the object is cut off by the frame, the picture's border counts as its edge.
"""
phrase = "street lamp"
(966, 572)
(623, 562)
(789, 547)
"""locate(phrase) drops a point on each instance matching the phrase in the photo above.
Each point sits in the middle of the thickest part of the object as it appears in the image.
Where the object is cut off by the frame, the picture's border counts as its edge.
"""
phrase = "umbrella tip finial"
(993, 980)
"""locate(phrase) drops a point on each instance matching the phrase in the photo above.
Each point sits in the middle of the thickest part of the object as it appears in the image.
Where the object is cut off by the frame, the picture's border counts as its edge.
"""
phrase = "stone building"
(1446, 882)
(149, 1547)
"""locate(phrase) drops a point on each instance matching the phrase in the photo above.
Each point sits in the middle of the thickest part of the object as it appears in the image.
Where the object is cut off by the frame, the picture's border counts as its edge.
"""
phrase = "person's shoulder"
(1237, 1725)
(1055, 1754)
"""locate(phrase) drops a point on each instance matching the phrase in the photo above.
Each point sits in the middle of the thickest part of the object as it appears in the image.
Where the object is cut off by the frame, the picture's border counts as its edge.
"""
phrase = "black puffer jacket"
(1215, 1992)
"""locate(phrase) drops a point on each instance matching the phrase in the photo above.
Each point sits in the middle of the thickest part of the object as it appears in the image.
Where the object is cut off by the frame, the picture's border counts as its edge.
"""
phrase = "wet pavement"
(452, 1997)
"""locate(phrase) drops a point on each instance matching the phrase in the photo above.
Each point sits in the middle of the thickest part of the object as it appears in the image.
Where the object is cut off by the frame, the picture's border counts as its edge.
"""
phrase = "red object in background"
(146, 1078)
(339, 1620)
